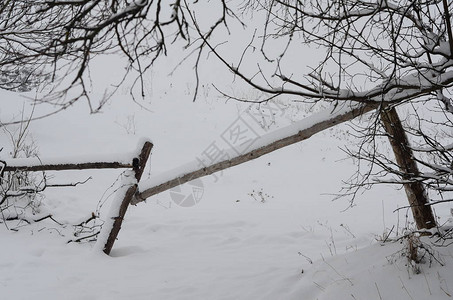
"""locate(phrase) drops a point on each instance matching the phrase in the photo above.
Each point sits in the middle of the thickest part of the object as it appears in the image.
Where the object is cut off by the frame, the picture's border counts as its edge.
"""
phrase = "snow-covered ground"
(267, 229)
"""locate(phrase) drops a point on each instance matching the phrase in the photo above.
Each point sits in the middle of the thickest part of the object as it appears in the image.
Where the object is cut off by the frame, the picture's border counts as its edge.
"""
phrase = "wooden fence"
(304, 130)
(137, 164)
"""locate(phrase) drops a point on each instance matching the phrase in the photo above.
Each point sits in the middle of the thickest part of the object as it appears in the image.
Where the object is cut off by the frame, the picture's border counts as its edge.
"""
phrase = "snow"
(266, 229)
(107, 157)
(124, 158)
(257, 227)
(377, 272)
(127, 180)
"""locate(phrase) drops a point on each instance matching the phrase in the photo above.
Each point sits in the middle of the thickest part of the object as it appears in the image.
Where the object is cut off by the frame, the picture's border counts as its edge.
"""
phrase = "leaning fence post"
(138, 165)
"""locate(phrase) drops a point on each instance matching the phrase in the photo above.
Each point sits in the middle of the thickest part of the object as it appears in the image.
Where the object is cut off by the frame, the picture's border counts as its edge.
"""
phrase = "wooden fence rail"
(10, 167)
(333, 119)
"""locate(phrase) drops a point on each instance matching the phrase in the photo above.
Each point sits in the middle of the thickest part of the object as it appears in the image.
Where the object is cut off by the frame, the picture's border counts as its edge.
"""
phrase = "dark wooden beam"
(69, 166)
(139, 164)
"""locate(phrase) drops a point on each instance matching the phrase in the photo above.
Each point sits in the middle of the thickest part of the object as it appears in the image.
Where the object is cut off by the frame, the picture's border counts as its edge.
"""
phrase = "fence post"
(138, 165)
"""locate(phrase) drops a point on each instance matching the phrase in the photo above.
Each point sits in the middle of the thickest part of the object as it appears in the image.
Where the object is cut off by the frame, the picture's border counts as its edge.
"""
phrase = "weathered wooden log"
(416, 194)
(335, 119)
(68, 166)
(139, 164)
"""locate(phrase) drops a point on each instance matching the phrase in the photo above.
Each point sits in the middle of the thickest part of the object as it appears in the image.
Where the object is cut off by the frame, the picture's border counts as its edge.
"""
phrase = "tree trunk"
(416, 194)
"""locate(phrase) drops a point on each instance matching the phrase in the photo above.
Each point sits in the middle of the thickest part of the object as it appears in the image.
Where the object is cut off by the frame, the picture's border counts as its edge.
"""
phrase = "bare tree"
(422, 143)
(20, 190)
(386, 53)
(55, 41)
